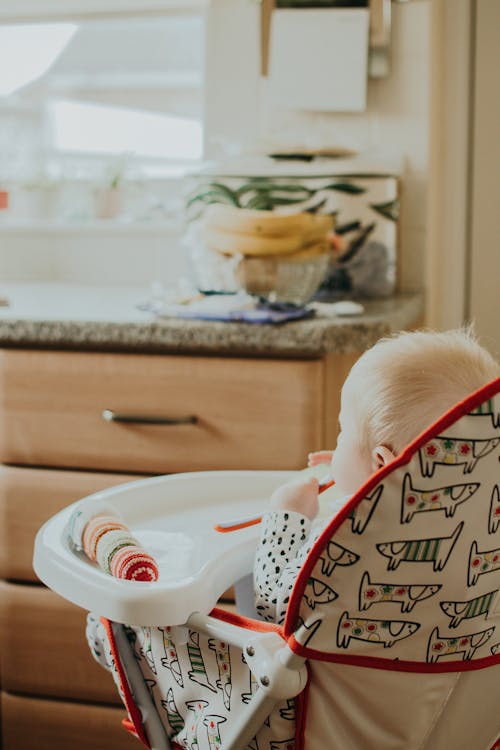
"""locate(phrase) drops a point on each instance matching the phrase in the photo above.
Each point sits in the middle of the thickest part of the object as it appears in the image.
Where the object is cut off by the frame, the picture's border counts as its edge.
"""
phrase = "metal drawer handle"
(112, 416)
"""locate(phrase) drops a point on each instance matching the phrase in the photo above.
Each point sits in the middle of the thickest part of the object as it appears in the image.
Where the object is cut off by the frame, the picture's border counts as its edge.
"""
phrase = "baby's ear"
(381, 456)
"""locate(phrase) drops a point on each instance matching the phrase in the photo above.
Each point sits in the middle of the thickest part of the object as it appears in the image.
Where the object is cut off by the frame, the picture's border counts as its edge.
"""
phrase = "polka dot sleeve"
(284, 544)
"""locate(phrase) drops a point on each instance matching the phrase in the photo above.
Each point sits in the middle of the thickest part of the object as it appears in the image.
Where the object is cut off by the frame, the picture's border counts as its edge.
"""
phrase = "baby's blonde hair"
(407, 381)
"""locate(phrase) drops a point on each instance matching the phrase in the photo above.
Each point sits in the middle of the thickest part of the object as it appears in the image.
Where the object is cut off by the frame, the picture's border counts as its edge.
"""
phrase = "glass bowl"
(278, 279)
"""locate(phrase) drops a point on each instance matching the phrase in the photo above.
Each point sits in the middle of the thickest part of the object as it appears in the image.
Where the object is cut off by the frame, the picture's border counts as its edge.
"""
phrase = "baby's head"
(397, 389)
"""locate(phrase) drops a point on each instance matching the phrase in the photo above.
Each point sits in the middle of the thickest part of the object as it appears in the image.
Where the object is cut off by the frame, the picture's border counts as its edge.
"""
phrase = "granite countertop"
(72, 316)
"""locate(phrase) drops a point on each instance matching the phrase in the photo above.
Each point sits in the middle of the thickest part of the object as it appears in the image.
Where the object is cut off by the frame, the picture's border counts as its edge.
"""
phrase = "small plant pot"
(108, 202)
(33, 203)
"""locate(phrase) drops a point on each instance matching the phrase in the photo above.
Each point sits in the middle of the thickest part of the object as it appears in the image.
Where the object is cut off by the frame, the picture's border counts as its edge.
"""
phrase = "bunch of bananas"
(297, 237)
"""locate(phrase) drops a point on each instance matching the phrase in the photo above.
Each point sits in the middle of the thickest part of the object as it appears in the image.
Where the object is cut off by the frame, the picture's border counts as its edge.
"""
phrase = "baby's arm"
(283, 546)
(283, 536)
(297, 496)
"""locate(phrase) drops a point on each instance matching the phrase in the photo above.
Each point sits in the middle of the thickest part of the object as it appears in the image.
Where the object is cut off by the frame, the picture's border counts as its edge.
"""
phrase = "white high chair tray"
(173, 518)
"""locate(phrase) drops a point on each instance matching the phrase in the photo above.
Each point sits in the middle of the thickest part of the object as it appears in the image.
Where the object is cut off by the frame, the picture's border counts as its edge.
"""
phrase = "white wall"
(121, 255)
(464, 222)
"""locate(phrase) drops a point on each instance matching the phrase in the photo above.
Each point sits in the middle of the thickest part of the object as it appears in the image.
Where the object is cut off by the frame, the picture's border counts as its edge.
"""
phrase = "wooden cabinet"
(28, 497)
(45, 650)
(244, 413)
(30, 723)
(56, 447)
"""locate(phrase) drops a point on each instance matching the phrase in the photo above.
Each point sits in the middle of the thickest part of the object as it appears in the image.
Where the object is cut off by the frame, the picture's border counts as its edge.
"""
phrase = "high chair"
(392, 634)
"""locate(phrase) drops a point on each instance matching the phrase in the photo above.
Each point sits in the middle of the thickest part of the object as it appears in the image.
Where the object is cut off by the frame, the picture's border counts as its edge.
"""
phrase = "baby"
(395, 390)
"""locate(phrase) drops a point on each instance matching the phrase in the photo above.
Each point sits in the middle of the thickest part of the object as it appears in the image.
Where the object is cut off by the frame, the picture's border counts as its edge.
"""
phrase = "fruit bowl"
(249, 220)
(277, 257)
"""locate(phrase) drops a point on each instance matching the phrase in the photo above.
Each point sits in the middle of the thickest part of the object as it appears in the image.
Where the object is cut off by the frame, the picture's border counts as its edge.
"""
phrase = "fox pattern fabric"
(196, 684)
(424, 541)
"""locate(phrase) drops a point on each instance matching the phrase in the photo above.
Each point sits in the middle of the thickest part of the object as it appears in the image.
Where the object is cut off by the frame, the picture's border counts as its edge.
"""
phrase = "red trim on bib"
(376, 662)
(301, 704)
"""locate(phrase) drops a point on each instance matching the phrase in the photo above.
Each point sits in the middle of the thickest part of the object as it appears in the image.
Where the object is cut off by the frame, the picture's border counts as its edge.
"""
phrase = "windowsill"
(168, 226)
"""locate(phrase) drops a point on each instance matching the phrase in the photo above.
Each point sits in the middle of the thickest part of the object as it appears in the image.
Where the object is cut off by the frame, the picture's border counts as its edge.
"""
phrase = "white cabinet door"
(463, 253)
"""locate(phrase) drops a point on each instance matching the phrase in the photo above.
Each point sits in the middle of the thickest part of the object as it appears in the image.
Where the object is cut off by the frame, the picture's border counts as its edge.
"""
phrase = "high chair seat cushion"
(198, 684)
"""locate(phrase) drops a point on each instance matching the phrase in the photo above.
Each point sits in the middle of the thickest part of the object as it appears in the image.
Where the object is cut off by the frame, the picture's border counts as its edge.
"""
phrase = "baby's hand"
(319, 457)
(299, 496)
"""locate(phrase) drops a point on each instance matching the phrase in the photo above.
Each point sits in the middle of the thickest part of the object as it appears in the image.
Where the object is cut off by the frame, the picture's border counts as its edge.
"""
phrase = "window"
(28, 51)
(83, 93)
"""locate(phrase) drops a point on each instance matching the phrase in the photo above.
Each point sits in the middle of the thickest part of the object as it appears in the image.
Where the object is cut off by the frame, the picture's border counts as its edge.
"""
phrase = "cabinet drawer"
(251, 413)
(30, 723)
(44, 649)
(28, 497)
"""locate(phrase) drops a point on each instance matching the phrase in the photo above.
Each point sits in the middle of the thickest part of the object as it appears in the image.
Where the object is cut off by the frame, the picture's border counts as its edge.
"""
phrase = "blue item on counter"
(263, 313)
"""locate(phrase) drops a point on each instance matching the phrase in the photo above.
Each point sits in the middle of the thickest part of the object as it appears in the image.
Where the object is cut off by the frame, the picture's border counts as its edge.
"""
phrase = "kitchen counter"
(71, 316)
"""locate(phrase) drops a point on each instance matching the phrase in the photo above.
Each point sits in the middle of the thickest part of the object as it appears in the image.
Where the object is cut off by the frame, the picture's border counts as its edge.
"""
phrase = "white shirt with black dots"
(286, 540)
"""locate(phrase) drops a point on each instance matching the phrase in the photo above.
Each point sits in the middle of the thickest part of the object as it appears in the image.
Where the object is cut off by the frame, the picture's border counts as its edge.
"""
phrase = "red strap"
(134, 723)
(301, 704)
(127, 724)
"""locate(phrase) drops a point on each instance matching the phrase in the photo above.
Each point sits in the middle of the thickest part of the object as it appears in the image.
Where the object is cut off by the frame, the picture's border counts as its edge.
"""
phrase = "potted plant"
(109, 197)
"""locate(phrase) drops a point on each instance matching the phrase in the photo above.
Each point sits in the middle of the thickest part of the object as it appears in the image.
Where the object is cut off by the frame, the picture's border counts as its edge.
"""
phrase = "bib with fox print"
(407, 575)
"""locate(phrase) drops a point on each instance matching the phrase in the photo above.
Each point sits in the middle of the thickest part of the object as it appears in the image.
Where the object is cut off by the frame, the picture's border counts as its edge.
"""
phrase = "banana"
(308, 253)
(317, 234)
(265, 223)
(232, 243)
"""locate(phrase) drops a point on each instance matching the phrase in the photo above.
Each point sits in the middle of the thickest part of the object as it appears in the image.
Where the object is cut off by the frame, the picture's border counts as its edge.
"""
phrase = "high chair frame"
(401, 589)
(280, 672)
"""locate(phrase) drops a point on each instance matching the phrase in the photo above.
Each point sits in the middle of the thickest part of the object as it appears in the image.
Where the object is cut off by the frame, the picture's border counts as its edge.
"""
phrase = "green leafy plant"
(115, 170)
(263, 194)
(389, 209)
